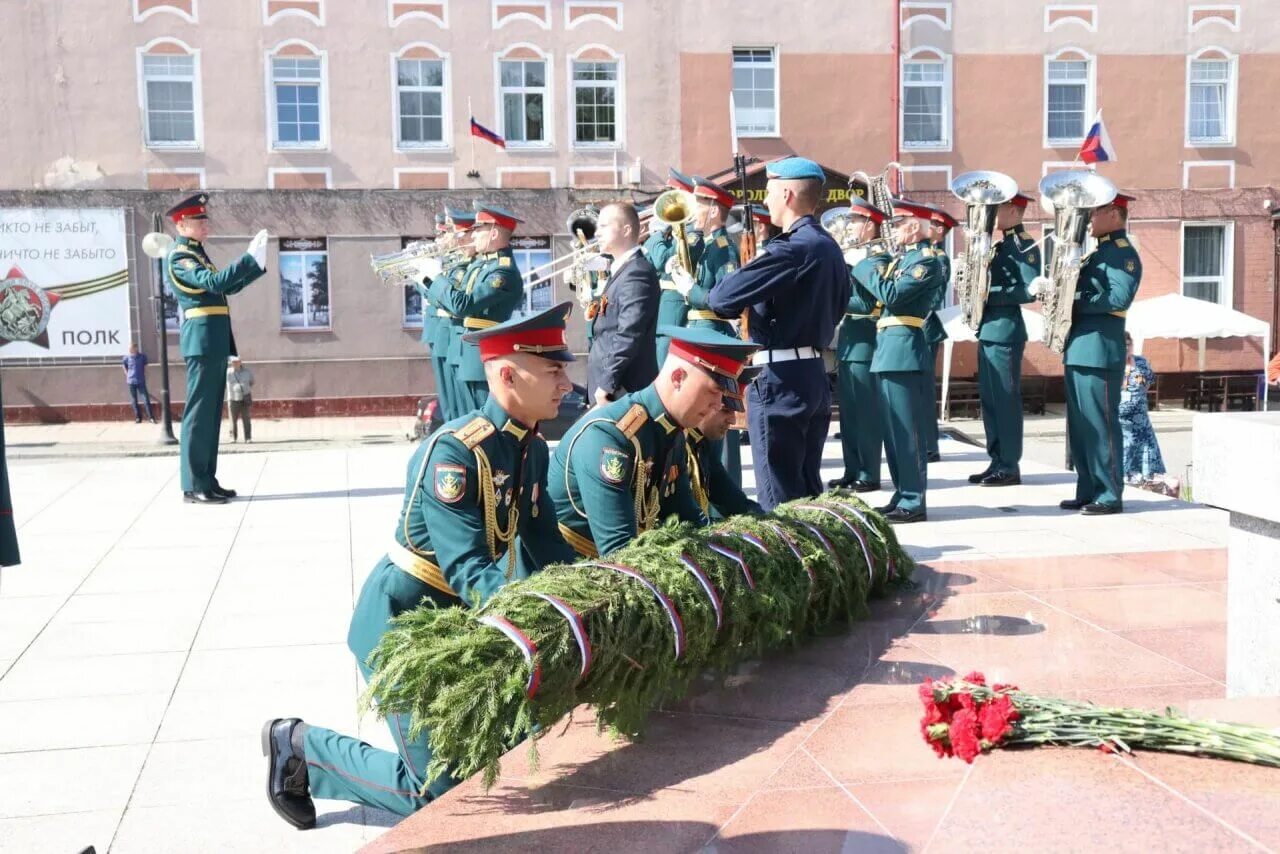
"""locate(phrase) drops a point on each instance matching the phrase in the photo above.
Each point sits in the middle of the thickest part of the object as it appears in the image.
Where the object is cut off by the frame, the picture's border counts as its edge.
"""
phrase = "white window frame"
(442, 22)
(328, 253)
(548, 99)
(192, 18)
(498, 23)
(196, 98)
(570, 5)
(1226, 292)
(524, 309)
(270, 18)
(948, 101)
(269, 74)
(326, 171)
(1071, 54)
(446, 104)
(1233, 73)
(777, 89)
(398, 171)
(198, 171)
(619, 98)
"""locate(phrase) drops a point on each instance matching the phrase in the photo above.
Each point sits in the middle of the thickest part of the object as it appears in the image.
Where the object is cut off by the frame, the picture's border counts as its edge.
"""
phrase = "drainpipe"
(1275, 282)
(897, 89)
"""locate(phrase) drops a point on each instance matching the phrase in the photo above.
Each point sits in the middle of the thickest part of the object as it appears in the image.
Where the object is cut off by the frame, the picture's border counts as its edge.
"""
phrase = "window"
(755, 91)
(1205, 262)
(926, 111)
(170, 101)
(1210, 102)
(1067, 100)
(524, 100)
(304, 283)
(595, 101)
(412, 317)
(530, 253)
(420, 99)
(297, 85)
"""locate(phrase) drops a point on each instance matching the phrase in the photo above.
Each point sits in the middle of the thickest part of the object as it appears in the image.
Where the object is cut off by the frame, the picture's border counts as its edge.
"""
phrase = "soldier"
(660, 248)
(764, 228)
(941, 224)
(476, 516)
(449, 327)
(1094, 360)
(491, 292)
(430, 318)
(626, 462)
(795, 293)
(861, 424)
(201, 291)
(907, 287)
(717, 494)
(1002, 335)
(718, 258)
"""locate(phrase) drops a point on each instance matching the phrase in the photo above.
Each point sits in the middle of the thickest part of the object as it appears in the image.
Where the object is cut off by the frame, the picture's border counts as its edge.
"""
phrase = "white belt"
(790, 354)
(667, 285)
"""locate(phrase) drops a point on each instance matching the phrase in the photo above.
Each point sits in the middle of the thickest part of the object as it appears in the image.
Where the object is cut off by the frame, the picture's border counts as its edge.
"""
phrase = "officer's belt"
(1118, 313)
(478, 323)
(580, 544)
(440, 312)
(875, 315)
(900, 320)
(703, 314)
(786, 354)
(419, 567)
(207, 311)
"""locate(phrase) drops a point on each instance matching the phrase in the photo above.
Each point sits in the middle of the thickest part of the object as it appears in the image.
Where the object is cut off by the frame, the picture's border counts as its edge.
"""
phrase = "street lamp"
(156, 246)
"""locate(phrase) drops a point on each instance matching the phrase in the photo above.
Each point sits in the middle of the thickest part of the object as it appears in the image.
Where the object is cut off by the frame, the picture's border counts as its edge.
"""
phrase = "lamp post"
(156, 245)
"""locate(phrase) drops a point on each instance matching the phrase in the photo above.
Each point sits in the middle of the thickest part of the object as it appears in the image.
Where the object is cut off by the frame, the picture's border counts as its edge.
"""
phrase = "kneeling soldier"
(718, 495)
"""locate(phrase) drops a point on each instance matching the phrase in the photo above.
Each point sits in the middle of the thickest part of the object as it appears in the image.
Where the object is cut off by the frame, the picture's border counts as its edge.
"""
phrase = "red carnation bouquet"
(966, 717)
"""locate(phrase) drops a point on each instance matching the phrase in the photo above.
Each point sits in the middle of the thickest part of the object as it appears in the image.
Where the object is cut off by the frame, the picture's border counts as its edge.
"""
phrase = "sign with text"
(835, 190)
(65, 285)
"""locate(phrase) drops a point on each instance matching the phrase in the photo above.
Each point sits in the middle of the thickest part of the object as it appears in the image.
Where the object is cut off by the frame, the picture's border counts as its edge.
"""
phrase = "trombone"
(582, 225)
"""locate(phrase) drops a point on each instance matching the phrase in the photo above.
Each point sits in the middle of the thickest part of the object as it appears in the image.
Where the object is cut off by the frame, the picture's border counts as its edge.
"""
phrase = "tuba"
(878, 189)
(982, 193)
(581, 224)
(676, 209)
(395, 268)
(1073, 195)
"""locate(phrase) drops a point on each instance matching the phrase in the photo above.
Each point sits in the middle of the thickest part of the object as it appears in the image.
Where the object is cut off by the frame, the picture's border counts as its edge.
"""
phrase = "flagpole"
(471, 117)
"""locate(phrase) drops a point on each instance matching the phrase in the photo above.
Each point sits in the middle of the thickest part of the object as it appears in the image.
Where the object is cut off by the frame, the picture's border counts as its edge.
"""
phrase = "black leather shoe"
(287, 788)
(977, 478)
(1101, 509)
(1071, 504)
(225, 493)
(1001, 480)
(203, 498)
(886, 509)
(935, 457)
(840, 483)
(898, 516)
(866, 486)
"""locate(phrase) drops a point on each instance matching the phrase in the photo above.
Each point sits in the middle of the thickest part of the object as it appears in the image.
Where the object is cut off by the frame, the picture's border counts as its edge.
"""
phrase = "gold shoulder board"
(631, 422)
(475, 432)
(721, 241)
(1122, 243)
(504, 261)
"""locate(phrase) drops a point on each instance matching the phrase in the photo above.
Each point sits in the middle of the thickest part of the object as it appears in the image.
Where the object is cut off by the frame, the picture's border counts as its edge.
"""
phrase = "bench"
(961, 398)
(1221, 392)
(1034, 394)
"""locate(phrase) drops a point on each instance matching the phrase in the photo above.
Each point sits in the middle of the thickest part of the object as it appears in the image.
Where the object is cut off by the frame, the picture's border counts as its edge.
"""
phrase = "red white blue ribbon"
(677, 626)
(862, 540)
(577, 627)
(754, 540)
(696, 571)
(893, 569)
(526, 646)
(825, 544)
(795, 550)
(737, 558)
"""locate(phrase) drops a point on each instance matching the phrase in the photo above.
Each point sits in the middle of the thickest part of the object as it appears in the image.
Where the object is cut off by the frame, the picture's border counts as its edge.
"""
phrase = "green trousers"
(201, 418)
(474, 394)
(929, 415)
(861, 425)
(343, 768)
(1093, 431)
(444, 392)
(1000, 391)
(902, 404)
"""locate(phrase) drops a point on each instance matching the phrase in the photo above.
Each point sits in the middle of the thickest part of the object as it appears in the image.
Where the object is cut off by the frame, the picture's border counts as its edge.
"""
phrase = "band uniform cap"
(707, 189)
(904, 208)
(500, 217)
(677, 180)
(1122, 200)
(859, 206)
(441, 222)
(939, 216)
(541, 334)
(462, 219)
(721, 356)
(735, 402)
(645, 212)
(1021, 200)
(760, 214)
(795, 169)
(192, 207)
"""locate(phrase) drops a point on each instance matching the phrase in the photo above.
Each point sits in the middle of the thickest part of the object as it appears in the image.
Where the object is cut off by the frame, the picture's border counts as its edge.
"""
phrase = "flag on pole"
(483, 132)
(1097, 147)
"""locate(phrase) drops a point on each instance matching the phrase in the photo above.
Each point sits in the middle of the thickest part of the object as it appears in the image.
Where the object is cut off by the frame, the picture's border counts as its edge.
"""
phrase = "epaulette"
(634, 418)
(722, 242)
(504, 261)
(1121, 243)
(474, 432)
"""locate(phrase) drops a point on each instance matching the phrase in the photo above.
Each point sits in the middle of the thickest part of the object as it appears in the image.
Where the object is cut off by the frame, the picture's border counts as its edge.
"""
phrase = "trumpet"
(676, 208)
(396, 268)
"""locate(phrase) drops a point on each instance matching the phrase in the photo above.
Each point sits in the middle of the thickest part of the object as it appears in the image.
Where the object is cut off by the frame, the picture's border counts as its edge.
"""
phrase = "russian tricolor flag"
(1097, 147)
(483, 132)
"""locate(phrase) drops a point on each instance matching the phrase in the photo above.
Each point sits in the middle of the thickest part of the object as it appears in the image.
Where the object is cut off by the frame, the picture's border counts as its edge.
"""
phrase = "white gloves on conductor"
(1039, 285)
(426, 269)
(258, 249)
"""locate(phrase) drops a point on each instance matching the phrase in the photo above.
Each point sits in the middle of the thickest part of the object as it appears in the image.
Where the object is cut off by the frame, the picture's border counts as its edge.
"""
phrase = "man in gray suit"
(622, 357)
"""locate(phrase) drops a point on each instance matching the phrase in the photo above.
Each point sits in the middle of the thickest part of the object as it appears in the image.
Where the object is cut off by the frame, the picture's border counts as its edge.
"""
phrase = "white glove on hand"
(426, 269)
(855, 256)
(1039, 285)
(682, 280)
(258, 249)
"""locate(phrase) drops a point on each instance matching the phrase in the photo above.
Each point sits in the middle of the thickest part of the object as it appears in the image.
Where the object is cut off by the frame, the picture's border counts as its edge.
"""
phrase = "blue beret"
(795, 169)
(541, 334)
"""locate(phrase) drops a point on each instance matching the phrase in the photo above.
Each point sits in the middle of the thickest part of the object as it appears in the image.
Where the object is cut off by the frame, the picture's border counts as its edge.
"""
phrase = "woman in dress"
(1142, 460)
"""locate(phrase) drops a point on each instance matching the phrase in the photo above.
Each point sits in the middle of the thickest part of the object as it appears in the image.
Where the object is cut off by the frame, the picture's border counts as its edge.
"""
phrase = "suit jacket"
(623, 359)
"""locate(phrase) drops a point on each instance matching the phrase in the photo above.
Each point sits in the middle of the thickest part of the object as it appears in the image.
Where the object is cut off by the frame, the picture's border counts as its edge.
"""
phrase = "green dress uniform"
(934, 334)
(1002, 337)
(441, 339)
(907, 287)
(1094, 368)
(673, 309)
(8, 529)
(861, 423)
(718, 258)
(716, 493)
(206, 342)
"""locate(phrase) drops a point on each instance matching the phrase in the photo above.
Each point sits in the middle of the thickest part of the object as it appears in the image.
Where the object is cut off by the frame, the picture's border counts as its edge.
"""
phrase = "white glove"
(1039, 285)
(855, 256)
(682, 280)
(258, 249)
(426, 269)
(596, 263)
(569, 277)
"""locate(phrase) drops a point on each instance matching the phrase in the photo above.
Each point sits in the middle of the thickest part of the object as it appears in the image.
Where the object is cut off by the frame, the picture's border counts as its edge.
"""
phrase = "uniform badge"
(722, 242)
(613, 465)
(672, 474)
(918, 271)
(450, 482)
(500, 478)
(1033, 258)
(729, 267)
(533, 502)
(1130, 266)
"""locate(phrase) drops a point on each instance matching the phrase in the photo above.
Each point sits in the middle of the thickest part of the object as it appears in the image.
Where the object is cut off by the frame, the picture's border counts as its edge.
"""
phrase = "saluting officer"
(1002, 336)
(940, 225)
(623, 467)
(661, 248)
(795, 292)
(476, 515)
(907, 287)
(716, 492)
(717, 259)
(201, 291)
(1094, 360)
(861, 424)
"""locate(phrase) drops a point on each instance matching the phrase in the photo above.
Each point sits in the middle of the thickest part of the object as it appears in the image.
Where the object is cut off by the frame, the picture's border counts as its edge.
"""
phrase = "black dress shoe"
(866, 486)
(898, 516)
(1071, 504)
(840, 483)
(203, 498)
(886, 509)
(935, 457)
(287, 787)
(977, 478)
(1096, 509)
(225, 493)
(1004, 479)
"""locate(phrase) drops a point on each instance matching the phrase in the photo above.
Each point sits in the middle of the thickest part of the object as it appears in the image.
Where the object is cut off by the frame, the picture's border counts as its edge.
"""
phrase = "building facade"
(342, 126)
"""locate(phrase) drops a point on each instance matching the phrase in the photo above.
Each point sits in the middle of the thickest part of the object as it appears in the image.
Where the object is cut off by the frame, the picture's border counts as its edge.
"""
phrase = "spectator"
(240, 397)
(1142, 459)
(135, 376)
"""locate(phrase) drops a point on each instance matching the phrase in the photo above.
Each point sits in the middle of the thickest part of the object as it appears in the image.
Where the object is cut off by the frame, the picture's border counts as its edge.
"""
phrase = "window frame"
(948, 98)
(517, 253)
(446, 144)
(273, 144)
(1071, 54)
(619, 96)
(281, 255)
(1232, 97)
(197, 144)
(548, 142)
(1226, 292)
(776, 50)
